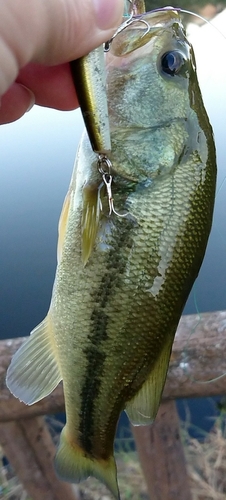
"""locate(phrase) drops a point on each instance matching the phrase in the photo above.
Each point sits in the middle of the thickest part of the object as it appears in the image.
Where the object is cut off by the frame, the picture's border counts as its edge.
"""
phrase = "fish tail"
(73, 465)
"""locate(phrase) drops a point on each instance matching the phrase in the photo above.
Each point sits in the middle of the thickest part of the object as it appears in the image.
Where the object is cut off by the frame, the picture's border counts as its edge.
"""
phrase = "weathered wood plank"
(162, 457)
(198, 355)
(30, 450)
(198, 361)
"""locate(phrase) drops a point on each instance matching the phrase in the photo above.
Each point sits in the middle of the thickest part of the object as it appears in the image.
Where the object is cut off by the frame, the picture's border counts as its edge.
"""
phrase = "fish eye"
(171, 62)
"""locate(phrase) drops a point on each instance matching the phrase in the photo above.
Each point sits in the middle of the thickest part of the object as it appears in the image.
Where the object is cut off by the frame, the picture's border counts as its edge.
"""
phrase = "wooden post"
(30, 450)
(162, 457)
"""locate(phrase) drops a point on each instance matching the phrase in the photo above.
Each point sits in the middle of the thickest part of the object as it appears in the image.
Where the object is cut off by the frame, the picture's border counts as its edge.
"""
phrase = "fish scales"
(115, 307)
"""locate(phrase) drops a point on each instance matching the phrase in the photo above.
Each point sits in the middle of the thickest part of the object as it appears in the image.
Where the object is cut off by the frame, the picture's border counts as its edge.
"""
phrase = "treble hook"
(107, 179)
(122, 26)
(125, 25)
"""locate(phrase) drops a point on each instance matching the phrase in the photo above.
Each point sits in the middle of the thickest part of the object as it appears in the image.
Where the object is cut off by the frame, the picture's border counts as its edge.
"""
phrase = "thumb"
(52, 32)
(75, 27)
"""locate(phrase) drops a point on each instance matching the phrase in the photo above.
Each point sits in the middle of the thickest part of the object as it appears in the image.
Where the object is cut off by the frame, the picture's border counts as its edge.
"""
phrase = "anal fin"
(142, 409)
(34, 371)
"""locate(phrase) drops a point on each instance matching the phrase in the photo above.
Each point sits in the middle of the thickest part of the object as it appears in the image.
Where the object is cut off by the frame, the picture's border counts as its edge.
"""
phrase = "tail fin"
(72, 464)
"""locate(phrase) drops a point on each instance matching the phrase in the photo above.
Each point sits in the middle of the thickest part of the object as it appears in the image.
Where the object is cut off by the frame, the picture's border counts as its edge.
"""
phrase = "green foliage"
(186, 4)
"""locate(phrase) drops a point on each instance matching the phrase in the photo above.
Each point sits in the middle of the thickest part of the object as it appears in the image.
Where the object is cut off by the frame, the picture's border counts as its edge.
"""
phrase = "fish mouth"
(164, 124)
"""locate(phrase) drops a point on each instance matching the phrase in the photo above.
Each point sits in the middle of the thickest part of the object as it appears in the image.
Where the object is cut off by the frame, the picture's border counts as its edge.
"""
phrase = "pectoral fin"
(34, 371)
(90, 219)
(62, 226)
(142, 409)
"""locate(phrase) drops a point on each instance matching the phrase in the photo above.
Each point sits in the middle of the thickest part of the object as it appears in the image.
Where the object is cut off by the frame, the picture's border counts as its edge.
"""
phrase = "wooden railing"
(197, 365)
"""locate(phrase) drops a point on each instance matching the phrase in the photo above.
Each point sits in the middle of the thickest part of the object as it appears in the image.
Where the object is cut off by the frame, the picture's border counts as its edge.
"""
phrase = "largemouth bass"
(124, 275)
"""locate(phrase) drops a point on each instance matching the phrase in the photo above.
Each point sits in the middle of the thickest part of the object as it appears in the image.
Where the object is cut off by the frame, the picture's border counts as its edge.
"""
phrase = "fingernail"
(31, 96)
(108, 13)
(32, 101)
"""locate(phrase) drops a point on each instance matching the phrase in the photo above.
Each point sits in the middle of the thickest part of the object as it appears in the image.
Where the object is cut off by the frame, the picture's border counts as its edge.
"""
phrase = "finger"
(46, 86)
(52, 32)
(15, 102)
(77, 28)
(52, 85)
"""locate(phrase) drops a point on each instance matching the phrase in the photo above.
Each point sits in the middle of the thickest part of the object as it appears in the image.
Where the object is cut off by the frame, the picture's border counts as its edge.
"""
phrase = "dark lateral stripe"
(94, 353)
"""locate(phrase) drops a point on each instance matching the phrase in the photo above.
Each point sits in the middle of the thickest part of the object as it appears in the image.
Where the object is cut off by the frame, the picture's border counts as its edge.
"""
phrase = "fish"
(132, 236)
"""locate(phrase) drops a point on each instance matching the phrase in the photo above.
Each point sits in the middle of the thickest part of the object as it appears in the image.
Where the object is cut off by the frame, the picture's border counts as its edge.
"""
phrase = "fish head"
(150, 76)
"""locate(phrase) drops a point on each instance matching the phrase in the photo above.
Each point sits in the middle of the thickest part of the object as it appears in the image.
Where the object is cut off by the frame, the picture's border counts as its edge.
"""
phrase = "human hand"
(38, 38)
